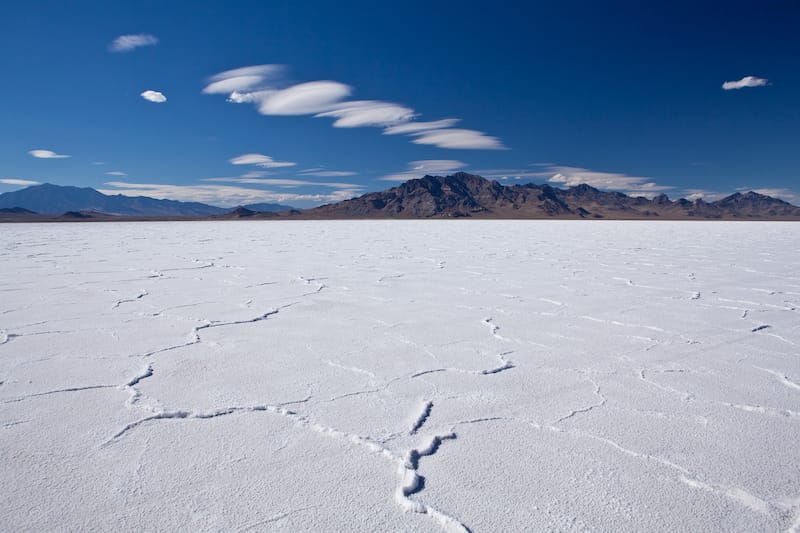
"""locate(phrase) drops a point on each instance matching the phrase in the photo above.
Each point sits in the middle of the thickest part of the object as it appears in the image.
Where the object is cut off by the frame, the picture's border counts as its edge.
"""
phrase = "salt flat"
(403, 376)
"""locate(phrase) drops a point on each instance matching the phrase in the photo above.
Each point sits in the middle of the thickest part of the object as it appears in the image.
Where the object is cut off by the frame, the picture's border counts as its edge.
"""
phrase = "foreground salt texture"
(421, 375)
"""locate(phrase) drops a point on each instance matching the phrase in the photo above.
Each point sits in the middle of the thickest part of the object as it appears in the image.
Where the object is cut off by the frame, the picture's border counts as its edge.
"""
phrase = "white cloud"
(116, 173)
(241, 79)
(260, 85)
(320, 173)
(13, 181)
(221, 195)
(434, 167)
(460, 139)
(261, 160)
(512, 173)
(572, 176)
(98, 162)
(154, 96)
(126, 43)
(702, 194)
(254, 97)
(284, 182)
(303, 98)
(415, 127)
(256, 174)
(368, 113)
(47, 154)
(747, 81)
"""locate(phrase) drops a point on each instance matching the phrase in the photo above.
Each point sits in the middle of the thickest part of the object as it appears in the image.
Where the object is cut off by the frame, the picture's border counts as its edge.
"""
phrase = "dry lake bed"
(400, 376)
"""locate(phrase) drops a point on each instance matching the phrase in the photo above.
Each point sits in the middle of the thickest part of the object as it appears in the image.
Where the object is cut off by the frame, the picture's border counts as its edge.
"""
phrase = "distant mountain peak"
(47, 198)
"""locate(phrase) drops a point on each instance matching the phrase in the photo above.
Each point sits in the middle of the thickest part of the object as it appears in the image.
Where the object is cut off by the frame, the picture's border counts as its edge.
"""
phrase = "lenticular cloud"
(263, 86)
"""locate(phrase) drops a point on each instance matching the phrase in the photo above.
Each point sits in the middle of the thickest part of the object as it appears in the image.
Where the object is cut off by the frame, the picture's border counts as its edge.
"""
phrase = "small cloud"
(572, 176)
(320, 173)
(515, 173)
(368, 113)
(98, 162)
(256, 174)
(47, 154)
(12, 181)
(241, 79)
(126, 43)
(302, 99)
(416, 127)
(417, 169)
(116, 173)
(702, 194)
(459, 139)
(747, 81)
(260, 160)
(154, 96)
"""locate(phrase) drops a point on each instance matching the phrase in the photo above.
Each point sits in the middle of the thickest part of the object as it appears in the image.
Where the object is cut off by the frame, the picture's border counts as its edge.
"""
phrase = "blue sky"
(309, 102)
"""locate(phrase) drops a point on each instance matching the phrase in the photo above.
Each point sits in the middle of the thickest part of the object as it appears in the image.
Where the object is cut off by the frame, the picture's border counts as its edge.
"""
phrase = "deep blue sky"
(622, 95)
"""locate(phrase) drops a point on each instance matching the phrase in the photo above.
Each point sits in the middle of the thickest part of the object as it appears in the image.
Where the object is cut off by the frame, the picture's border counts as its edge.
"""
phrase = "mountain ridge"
(464, 195)
(49, 199)
(460, 195)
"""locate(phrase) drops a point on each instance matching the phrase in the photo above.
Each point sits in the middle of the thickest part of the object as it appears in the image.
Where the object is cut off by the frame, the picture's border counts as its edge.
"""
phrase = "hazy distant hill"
(467, 195)
(268, 208)
(56, 199)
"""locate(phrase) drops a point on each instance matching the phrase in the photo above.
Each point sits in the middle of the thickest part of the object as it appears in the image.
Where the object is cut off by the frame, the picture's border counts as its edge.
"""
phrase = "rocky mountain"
(467, 195)
(56, 199)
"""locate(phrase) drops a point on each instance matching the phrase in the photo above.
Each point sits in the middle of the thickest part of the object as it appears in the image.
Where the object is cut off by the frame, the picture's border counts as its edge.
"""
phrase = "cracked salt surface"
(425, 376)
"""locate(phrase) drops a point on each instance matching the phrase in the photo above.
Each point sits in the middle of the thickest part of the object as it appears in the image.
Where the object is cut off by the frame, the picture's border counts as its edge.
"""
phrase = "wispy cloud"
(572, 176)
(433, 167)
(263, 86)
(321, 173)
(513, 173)
(368, 113)
(14, 181)
(47, 154)
(459, 139)
(98, 163)
(256, 174)
(260, 160)
(703, 194)
(116, 173)
(241, 79)
(416, 127)
(154, 96)
(284, 182)
(302, 99)
(221, 195)
(747, 81)
(126, 43)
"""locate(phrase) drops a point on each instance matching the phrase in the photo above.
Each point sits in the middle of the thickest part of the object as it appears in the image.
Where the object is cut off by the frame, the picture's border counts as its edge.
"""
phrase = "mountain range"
(48, 199)
(467, 195)
(460, 195)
